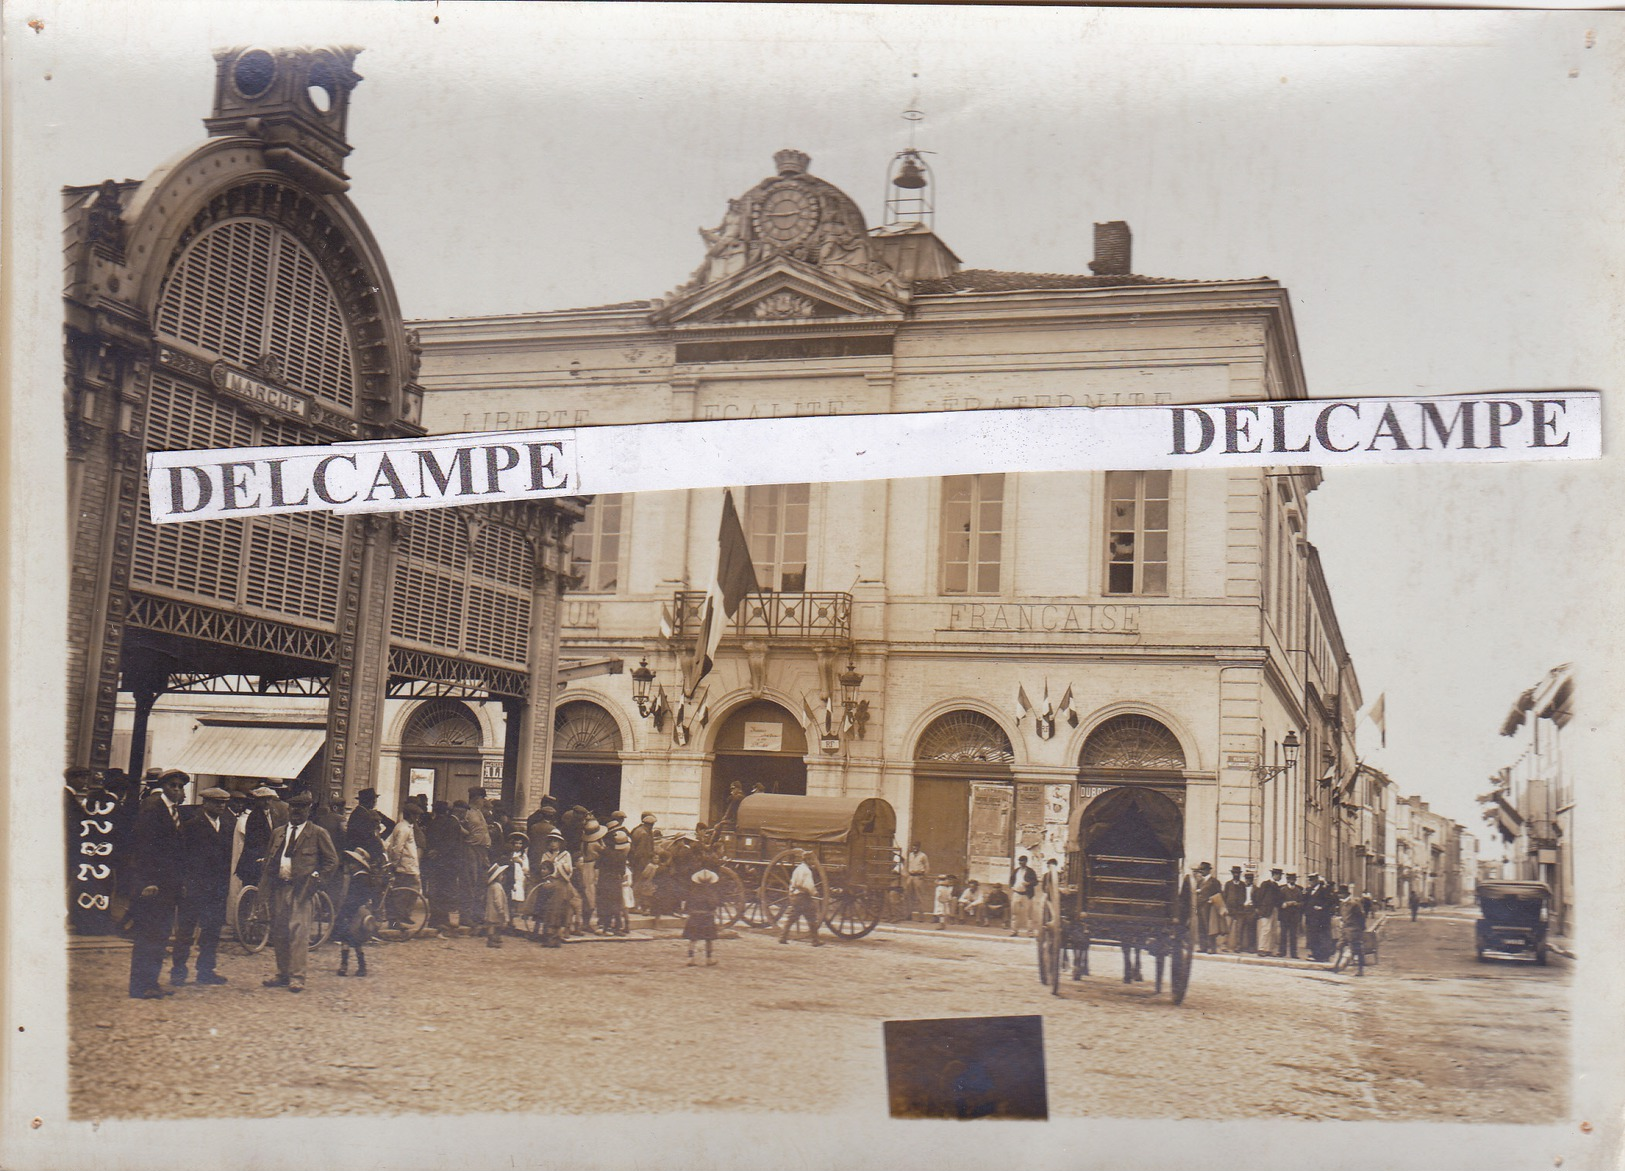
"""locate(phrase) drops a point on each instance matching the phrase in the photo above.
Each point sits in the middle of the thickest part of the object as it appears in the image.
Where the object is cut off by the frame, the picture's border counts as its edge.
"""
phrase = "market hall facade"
(236, 298)
(986, 652)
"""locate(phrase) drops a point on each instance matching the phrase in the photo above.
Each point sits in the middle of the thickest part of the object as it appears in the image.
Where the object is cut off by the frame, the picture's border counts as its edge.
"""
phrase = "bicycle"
(403, 910)
(251, 919)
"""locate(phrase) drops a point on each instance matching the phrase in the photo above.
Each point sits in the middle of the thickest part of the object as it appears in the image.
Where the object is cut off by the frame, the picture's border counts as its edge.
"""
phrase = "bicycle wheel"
(405, 914)
(251, 919)
(321, 919)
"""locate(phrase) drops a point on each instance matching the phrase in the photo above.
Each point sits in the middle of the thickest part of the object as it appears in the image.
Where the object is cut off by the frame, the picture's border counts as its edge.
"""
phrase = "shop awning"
(249, 750)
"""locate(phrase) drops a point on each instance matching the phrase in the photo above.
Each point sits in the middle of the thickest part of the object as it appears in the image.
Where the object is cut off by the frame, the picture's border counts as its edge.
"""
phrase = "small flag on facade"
(668, 624)
(1378, 715)
(812, 716)
(1024, 706)
(1065, 708)
(735, 577)
(702, 714)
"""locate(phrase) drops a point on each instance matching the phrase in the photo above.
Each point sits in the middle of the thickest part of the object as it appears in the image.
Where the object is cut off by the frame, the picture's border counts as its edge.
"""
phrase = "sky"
(1438, 190)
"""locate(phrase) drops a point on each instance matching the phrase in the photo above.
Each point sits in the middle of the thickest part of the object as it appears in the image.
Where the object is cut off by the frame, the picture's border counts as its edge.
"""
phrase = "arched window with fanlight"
(964, 796)
(1132, 749)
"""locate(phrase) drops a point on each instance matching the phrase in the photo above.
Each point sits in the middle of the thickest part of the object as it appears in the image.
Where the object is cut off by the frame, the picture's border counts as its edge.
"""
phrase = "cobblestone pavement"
(450, 1026)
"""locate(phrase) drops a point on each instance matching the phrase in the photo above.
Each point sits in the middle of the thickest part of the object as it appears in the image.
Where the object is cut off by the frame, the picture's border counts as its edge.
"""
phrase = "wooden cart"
(1122, 885)
(848, 843)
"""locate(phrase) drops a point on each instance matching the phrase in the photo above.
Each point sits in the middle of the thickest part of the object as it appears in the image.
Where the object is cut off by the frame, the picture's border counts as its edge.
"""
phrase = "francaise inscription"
(1052, 617)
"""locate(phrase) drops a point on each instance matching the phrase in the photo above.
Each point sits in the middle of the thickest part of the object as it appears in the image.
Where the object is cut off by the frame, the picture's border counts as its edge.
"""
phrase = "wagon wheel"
(1184, 954)
(731, 901)
(1049, 957)
(852, 914)
(774, 893)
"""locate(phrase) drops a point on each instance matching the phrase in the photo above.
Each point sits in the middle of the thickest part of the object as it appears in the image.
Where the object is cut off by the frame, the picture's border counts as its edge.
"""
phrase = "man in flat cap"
(160, 876)
(207, 837)
(300, 859)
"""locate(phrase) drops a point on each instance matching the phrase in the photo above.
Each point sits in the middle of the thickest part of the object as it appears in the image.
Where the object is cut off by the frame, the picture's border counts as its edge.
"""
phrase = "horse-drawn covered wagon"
(1121, 885)
(847, 842)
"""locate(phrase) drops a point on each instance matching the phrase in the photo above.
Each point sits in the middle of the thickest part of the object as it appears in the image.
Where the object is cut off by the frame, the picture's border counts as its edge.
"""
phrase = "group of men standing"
(1247, 917)
(181, 862)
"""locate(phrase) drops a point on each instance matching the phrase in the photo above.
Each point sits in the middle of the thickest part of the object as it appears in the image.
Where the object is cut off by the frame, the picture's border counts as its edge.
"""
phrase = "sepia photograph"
(1173, 817)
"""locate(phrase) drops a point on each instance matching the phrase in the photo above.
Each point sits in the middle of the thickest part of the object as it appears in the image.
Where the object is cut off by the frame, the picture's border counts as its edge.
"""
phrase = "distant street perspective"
(441, 1024)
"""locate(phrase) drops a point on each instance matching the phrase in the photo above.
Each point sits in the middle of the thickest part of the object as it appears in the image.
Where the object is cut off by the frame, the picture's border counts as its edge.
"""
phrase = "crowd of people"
(480, 870)
(1246, 917)
(1242, 916)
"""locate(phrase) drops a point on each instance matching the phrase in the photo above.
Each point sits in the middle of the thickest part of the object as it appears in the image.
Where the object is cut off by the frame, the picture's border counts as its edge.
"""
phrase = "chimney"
(1112, 244)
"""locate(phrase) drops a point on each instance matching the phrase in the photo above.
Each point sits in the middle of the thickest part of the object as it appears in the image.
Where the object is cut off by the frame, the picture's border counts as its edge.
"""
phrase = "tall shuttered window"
(972, 533)
(462, 592)
(595, 548)
(245, 288)
(776, 525)
(1137, 532)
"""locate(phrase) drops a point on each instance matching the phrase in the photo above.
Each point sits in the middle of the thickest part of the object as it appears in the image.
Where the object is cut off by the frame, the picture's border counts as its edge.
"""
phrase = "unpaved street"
(450, 1026)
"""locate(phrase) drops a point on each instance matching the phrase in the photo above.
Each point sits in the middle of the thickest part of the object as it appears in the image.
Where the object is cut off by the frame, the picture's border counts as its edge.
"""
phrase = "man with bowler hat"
(300, 859)
(207, 836)
(1289, 916)
(1269, 902)
(1202, 887)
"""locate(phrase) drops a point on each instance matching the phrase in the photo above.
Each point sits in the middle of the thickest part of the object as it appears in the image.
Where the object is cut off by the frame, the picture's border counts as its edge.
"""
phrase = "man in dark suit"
(301, 857)
(367, 827)
(1290, 916)
(1269, 902)
(1199, 888)
(207, 837)
(1235, 896)
(160, 856)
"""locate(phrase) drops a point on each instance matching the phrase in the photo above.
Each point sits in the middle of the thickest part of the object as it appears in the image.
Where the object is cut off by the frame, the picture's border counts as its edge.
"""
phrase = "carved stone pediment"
(777, 290)
(789, 222)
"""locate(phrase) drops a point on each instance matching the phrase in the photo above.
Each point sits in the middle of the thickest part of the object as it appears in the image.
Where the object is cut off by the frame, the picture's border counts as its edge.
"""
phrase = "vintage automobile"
(1512, 922)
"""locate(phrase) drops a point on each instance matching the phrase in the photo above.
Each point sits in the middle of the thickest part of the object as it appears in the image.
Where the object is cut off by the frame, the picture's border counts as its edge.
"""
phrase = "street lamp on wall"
(1266, 773)
(642, 679)
(854, 711)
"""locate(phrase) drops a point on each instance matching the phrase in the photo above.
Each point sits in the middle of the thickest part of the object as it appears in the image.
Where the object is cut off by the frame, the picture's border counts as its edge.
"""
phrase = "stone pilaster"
(534, 759)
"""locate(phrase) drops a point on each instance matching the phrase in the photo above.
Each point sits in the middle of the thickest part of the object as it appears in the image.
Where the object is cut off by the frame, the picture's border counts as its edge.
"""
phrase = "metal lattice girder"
(197, 683)
(222, 627)
(473, 678)
(813, 617)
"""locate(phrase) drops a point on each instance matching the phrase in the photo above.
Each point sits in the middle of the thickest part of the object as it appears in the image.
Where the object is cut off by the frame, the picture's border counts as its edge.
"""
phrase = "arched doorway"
(1133, 750)
(586, 758)
(964, 797)
(440, 751)
(761, 744)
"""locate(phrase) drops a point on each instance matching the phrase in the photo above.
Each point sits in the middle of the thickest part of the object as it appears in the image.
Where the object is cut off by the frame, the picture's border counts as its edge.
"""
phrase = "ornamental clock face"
(786, 215)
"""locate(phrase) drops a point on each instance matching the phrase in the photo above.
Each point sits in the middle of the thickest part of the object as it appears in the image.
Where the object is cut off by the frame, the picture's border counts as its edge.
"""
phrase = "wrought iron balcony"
(803, 617)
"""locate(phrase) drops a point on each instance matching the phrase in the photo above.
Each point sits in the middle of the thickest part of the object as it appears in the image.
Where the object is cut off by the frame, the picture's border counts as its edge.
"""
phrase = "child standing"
(701, 906)
(356, 919)
(944, 908)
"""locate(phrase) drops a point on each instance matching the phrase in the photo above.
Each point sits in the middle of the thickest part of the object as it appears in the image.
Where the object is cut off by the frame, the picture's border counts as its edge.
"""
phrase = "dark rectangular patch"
(778, 349)
(967, 1067)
